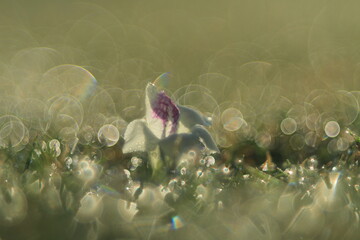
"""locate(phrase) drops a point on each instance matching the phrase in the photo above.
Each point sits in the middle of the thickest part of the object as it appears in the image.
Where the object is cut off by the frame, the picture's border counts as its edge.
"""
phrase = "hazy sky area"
(260, 57)
(296, 45)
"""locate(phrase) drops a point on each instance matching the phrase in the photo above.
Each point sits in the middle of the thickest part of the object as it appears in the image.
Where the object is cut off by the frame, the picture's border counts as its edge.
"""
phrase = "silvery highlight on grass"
(179, 120)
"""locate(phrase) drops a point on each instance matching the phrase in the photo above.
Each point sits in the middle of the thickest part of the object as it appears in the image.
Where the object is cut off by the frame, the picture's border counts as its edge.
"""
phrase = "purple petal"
(162, 114)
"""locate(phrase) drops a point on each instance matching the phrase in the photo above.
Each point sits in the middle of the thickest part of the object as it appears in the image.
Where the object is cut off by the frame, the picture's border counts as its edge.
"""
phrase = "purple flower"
(166, 122)
(161, 108)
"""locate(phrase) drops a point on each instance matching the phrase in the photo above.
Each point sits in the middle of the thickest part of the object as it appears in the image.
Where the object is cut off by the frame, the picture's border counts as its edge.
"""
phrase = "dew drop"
(135, 161)
(210, 160)
(54, 146)
(183, 171)
(68, 162)
(225, 170)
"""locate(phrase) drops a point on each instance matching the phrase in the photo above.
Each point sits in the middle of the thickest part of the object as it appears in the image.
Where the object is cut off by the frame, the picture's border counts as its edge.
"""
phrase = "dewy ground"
(257, 136)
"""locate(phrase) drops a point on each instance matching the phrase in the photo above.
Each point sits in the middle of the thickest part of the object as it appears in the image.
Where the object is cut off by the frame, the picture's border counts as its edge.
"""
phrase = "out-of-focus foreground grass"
(278, 79)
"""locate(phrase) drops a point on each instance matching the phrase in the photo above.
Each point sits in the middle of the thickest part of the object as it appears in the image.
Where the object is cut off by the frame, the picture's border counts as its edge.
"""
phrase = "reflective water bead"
(311, 163)
(225, 170)
(68, 162)
(54, 146)
(135, 161)
(172, 183)
(210, 160)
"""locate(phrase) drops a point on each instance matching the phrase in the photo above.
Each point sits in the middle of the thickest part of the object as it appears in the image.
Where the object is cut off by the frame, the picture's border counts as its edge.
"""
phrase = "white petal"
(190, 117)
(138, 137)
(176, 145)
(201, 132)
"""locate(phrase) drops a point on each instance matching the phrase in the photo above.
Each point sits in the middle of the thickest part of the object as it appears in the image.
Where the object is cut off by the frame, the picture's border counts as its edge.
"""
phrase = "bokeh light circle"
(332, 129)
(232, 119)
(288, 126)
(108, 135)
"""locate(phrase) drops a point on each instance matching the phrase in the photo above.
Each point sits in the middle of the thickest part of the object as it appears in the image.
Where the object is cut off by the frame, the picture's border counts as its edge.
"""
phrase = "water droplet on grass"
(54, 146)
(210, 160)
(68, 162)
(183, 171)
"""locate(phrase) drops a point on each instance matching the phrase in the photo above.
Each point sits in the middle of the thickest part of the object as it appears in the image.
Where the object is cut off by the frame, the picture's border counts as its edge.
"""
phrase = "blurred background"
(275, 77)
(263, 61)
